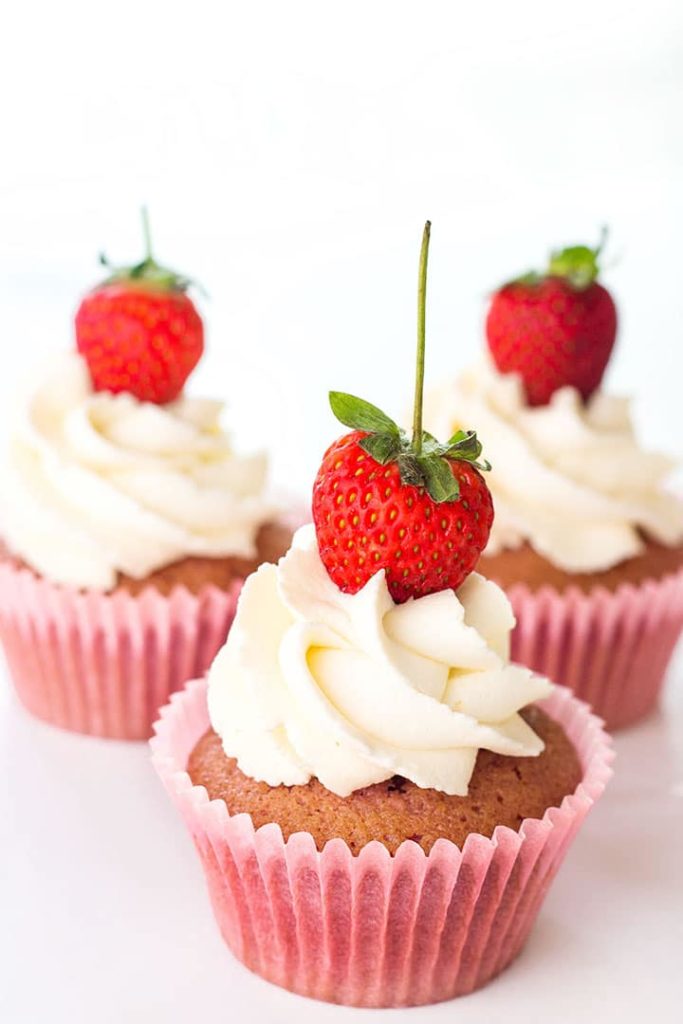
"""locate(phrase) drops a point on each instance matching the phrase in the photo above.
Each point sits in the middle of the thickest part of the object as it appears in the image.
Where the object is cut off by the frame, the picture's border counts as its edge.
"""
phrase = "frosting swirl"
(568, 478)
(353, 689)
(97, 484)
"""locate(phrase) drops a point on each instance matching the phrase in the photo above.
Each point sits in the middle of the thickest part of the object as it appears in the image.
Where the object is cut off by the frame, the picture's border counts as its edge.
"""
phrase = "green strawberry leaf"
(147, 271)
(430, 445)
(361, 415)
(464, 445)
(530, 279)
(383, 447)
(438, 479)
(577, 264)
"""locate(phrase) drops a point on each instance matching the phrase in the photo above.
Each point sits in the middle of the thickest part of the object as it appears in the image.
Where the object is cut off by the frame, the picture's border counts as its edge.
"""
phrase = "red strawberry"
(367, 519)
(139, 332)
(418, 509)
(555, 329)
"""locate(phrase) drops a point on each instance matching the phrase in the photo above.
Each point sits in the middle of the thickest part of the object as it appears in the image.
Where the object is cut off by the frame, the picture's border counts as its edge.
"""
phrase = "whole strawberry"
(139, 331)
(554, 329)
(415, 508)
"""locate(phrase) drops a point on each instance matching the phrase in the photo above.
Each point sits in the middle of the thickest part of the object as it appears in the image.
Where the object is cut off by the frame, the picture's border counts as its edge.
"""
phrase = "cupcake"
(128, 521)
(379, 798)
(588, 541)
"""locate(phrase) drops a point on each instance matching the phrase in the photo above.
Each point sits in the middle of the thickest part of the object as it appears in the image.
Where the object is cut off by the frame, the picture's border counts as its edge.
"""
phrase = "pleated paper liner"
(375, 929)
(103, 664)
(612, 648)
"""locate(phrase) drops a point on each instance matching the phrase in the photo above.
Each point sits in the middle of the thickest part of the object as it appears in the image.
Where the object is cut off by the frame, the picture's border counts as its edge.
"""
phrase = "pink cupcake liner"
(375, 929)
(104, 664)
(612, 648)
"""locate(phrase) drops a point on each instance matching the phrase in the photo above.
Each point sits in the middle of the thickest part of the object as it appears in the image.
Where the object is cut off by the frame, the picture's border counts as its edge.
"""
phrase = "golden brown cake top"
(503, 791)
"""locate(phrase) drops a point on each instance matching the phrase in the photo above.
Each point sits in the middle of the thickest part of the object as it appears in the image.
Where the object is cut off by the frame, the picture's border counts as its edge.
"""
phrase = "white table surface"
(105, 917)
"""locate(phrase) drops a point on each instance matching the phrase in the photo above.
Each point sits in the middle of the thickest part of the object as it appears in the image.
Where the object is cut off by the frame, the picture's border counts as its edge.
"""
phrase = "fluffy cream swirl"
(569, 478)
(352, 689)
(97, 484)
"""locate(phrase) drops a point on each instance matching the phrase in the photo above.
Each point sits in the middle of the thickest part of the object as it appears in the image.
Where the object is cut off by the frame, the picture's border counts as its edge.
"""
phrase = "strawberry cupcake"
(588, 541)
(379, 798)
(128, 521)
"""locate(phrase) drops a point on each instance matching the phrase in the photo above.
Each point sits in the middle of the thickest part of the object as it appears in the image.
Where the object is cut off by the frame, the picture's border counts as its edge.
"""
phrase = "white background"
(289, 154)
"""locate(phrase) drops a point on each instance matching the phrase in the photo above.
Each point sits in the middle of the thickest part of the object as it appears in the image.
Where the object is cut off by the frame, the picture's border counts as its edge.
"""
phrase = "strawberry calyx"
(386, 442)
(578, 265)
(147, 273)
(422, 460)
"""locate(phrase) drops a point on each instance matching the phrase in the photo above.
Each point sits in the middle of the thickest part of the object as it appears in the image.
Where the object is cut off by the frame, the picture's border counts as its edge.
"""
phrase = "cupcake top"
(96, 484)
(111, 469)
(372, 649)
(353, 688)
(568, 477)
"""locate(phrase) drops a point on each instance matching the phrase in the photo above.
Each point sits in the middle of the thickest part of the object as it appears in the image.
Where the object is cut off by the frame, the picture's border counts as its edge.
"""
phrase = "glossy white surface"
(105, 916)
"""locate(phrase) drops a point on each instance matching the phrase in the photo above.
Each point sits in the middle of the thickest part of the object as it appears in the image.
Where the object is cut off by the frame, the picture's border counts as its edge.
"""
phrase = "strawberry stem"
(604, 232)
(146, 234)
(420, 362)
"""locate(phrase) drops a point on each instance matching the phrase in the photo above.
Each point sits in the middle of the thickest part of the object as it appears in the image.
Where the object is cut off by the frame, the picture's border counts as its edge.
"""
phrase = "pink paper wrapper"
(612, 648)
(375, 929)
(104, 664)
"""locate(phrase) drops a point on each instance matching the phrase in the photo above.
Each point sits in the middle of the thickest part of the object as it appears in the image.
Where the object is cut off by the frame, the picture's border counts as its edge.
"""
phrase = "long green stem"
(146, 234)
(420, 363)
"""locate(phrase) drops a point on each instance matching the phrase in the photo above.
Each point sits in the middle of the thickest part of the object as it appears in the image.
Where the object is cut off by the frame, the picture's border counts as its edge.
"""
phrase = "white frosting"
(353, 689)
(568, 477)
(96, 484)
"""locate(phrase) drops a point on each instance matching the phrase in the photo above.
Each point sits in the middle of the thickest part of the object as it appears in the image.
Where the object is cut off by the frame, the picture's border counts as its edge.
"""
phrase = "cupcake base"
(609, 639)
(375, 929)
(611, 649)
(103, 664)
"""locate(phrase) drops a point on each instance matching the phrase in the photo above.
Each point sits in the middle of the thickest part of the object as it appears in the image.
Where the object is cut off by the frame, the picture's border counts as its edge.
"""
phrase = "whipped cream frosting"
(352, 689)
(97, 484)
(569, 478)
